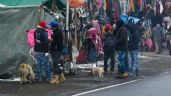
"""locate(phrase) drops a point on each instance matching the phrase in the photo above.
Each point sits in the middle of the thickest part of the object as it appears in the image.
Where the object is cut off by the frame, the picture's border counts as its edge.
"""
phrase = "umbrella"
(136, 20)
(76, 3)
(126, 19)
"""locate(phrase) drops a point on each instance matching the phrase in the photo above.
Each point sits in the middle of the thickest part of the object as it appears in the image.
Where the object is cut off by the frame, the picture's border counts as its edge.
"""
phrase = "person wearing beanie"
(56, 52)
(41, 50)
(109, 48)
(42, 24)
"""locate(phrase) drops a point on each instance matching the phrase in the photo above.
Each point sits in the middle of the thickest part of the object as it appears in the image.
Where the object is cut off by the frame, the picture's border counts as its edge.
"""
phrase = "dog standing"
(25, 71)
(98, 71)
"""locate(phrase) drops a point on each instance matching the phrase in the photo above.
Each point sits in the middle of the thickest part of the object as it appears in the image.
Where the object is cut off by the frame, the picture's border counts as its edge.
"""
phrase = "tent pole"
(75, 32)
(67, 24)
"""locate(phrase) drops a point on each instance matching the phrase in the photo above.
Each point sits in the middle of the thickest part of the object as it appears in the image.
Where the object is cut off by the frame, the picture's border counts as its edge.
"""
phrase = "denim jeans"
(109, 53)
(42, 59)
(133, 62)
(122, 62)
(92, 54)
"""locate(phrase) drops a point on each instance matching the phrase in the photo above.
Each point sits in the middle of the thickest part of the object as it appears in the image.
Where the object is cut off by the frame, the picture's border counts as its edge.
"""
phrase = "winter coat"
(157, 33)
(41, 40)
(30, 36)
(122, 39)
(109, 41)
(134, 40)
(57, 41)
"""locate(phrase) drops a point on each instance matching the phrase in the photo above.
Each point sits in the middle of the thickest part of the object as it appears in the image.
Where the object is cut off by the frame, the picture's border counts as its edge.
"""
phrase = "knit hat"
(53, 23)
(108, 26)
(42, 23)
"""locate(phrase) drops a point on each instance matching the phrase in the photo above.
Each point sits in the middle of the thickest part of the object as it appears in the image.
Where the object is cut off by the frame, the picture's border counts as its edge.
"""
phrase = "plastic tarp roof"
(60, 3)
(13, 39)
(21, 2)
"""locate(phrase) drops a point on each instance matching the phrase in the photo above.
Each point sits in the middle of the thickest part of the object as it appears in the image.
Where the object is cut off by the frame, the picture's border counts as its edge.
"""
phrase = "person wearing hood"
(133, 44)
(41, 47)
(56, 52)
(157, 36)
(121, 46)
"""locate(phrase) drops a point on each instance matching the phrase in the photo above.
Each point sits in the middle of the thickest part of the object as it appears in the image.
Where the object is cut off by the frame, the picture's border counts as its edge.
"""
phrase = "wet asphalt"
(151, 65)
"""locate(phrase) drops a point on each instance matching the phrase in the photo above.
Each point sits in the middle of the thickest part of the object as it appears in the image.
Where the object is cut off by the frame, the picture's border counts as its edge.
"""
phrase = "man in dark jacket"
(121, 48)
(133, 44)
(41, 50)
(55, 51)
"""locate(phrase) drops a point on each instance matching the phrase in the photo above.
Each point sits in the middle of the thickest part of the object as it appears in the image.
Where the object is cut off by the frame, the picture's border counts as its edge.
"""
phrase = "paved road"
(151, 65)
(154, 86)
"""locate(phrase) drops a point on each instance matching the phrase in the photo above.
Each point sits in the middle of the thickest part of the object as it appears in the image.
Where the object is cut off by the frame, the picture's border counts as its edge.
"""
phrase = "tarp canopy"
(21, 2)
(59, 3)
(14, 21)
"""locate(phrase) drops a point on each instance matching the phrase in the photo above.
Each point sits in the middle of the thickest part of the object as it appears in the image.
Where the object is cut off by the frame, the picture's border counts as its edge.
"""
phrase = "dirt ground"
(82, 81)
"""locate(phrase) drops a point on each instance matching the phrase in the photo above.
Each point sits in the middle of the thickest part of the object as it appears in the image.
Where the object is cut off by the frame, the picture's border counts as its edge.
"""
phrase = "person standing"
(169, 40)
(157, 36)
(55, 51)
(41, 50)
(133, 44)
(109, 51)
(121, 48)
(91, 42)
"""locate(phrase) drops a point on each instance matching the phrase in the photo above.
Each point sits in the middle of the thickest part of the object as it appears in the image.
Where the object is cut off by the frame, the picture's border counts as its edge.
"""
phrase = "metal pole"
(67, 24)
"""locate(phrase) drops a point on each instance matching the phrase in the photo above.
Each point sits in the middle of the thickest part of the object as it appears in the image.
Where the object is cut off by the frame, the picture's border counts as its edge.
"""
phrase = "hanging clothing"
(161, 7)
(157, 7)
(139, 2)
(132, 7)
(93, 35)
(99, 35)
(109, 9)
(124, 4)
(117, 10)
(137, 8)
(99, 4)
(104, 6)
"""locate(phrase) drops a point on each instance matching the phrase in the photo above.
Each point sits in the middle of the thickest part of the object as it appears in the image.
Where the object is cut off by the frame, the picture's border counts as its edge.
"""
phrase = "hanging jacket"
(132, 7)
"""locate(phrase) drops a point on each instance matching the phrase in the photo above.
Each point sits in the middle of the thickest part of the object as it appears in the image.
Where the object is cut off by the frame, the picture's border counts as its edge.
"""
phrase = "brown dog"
(25, 71)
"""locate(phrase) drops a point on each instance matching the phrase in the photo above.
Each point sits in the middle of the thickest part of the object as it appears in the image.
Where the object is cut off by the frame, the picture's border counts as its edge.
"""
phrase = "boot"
(61, 78)
(55, 80)
(124, 74)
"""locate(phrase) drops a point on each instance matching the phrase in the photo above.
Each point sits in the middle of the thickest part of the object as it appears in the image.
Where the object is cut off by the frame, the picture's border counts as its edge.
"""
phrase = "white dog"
(98, 71)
